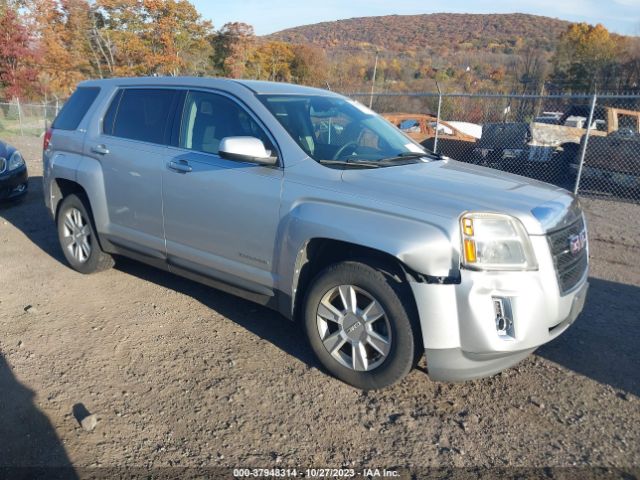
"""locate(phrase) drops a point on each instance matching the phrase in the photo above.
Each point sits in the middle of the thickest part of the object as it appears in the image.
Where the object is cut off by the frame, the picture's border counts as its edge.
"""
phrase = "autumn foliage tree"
(233, 45)
(60, 29)
(48, 46)
(18, 59)
(585, 58)
(149, 37)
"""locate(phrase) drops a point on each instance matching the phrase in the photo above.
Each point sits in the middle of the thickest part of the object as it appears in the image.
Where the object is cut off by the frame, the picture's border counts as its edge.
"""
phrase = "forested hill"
(437, 32)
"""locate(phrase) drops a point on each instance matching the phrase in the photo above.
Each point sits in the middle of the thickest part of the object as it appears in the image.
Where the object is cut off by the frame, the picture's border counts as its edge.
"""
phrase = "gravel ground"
(178, 374)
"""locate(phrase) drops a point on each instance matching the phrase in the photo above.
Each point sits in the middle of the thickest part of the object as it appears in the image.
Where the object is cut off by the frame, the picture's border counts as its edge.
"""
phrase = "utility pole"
(435, 141)
(373, 80)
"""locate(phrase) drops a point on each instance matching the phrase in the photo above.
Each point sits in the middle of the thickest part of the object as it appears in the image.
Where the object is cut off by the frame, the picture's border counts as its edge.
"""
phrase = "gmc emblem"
(578, 242)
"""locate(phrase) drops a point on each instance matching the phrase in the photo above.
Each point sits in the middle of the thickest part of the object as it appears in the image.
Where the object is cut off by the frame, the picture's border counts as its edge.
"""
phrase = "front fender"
(424, 247)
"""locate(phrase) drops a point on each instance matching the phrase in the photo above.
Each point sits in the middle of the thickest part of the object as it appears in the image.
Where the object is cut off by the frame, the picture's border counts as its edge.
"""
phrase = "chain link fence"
(545, 137)
(589, 144)
(27, 119)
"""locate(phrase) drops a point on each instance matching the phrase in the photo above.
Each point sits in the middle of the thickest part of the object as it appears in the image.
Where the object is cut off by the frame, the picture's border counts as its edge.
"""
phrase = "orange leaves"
(163, 37)
(585, 56)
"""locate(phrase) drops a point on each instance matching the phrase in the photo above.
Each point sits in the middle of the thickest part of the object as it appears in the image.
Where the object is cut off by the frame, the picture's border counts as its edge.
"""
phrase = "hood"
(448, 188)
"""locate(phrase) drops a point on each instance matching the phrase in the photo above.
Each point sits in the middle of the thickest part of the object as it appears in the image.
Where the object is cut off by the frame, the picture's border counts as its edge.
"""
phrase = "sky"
(621, 16)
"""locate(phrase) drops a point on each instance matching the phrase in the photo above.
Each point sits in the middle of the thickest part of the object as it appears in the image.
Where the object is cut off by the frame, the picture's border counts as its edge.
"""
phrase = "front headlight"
(492, 241)
(16, 161)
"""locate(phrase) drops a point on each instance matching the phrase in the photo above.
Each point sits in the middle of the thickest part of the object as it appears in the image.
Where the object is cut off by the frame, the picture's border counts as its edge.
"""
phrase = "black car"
(13, 173)
(611, 163)
(508, 147)
(503, 145)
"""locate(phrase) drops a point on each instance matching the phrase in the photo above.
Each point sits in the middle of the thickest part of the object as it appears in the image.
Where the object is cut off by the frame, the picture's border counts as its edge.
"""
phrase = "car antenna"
(328, 86)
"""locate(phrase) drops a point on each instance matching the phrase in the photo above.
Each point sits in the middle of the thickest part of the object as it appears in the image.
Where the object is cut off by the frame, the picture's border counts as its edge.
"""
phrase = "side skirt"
(276, 300)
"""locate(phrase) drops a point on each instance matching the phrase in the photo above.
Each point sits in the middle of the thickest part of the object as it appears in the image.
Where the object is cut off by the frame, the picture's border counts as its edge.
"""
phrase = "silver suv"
(309, 203)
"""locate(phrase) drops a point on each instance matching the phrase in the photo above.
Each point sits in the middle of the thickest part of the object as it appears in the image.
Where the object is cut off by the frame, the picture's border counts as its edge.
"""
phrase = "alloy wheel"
(76, 235)
(354, 327)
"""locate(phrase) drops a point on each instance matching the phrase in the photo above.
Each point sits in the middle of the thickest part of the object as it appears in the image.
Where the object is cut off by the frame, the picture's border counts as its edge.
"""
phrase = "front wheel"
(361, 325)
(78, 238)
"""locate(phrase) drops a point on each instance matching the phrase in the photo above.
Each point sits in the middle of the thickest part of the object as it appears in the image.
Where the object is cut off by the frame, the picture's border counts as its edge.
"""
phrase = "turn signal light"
(469, 250)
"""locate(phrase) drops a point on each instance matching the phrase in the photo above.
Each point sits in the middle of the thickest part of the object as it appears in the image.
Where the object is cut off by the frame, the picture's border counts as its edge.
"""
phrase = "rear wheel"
(78, 238)
(361, 326)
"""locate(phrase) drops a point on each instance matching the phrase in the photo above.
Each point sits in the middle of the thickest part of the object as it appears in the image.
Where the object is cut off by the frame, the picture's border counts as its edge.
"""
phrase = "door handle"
(181, 166)
(100, 149)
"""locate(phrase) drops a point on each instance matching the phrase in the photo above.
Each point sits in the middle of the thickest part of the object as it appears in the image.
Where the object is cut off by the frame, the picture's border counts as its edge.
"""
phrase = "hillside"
(497, 33)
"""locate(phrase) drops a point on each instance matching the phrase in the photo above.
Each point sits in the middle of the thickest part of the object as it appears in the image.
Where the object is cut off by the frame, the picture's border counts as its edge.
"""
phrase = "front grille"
(570, 267)
(3, 164)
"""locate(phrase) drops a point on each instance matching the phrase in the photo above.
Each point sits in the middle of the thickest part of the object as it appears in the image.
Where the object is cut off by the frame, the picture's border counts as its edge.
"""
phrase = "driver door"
(220, 216)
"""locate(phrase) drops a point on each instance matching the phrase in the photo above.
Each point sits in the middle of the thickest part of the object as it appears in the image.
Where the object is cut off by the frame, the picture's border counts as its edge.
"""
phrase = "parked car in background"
(452, 142)
(510, 147)
(612, 161)
(13, 173)
(503, 145)
(311, 204)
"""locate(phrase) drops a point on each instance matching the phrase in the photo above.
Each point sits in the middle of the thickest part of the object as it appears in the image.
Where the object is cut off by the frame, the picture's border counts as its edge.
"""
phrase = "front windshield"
(334, 129)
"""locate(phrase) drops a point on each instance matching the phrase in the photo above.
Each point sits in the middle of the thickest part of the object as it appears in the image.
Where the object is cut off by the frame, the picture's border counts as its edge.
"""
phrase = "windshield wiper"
(351, 163)
(411, 156)
(403, 157)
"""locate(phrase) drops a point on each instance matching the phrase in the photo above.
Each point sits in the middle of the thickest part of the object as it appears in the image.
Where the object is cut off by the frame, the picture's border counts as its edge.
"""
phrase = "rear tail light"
(47, 139)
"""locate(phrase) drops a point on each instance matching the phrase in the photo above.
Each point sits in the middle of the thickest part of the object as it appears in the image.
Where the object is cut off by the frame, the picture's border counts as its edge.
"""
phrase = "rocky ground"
(178, 374)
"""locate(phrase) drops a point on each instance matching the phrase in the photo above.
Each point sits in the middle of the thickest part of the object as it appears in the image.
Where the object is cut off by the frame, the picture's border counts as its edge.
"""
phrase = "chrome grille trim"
(570, 268)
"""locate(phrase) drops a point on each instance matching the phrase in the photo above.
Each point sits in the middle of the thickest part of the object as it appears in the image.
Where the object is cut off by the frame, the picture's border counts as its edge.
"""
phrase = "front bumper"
(14, 184)
(459, 321)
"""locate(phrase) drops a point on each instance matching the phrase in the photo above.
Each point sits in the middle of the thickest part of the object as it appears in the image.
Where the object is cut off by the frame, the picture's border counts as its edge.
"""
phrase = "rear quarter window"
(110, 116)
(76, 108)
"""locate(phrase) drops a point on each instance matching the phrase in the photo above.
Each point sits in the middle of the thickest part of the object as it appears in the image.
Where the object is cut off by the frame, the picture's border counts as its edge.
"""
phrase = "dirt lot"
(182, 375)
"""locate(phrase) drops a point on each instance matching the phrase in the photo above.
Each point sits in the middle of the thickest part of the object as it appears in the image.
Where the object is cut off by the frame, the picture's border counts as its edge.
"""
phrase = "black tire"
(97, 260)
(399, 307)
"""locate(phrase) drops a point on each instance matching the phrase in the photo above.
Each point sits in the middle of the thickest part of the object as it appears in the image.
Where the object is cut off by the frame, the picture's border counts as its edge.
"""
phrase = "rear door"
(132, 148)
(221, 216)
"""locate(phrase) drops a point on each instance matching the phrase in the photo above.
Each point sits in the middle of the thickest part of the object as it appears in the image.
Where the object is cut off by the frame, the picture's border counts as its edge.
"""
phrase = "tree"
(271, 61)
(309, 65)
(233, 46)
(62, 32)
(149, 37)
(176, 37)
(585, 58)
(18, 73)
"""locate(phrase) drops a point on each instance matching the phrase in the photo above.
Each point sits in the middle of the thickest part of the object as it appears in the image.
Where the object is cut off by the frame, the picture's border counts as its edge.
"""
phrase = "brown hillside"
(499, 33)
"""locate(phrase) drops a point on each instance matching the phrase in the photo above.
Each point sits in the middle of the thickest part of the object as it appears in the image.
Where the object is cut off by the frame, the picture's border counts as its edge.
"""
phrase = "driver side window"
(209, 117)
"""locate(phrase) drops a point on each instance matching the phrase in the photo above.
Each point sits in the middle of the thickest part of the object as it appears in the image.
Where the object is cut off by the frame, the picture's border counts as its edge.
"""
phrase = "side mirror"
(246, 149)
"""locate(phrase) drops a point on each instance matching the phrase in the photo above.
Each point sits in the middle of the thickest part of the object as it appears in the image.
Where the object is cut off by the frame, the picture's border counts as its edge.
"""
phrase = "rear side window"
(142, 114)
(76, 108)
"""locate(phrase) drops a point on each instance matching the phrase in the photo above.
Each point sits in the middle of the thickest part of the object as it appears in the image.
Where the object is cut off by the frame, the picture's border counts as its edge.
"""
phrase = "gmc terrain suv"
(309, 203)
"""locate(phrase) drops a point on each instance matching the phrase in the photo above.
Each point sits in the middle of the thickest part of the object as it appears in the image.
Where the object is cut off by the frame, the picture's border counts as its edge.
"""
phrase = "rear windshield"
(76, 108)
